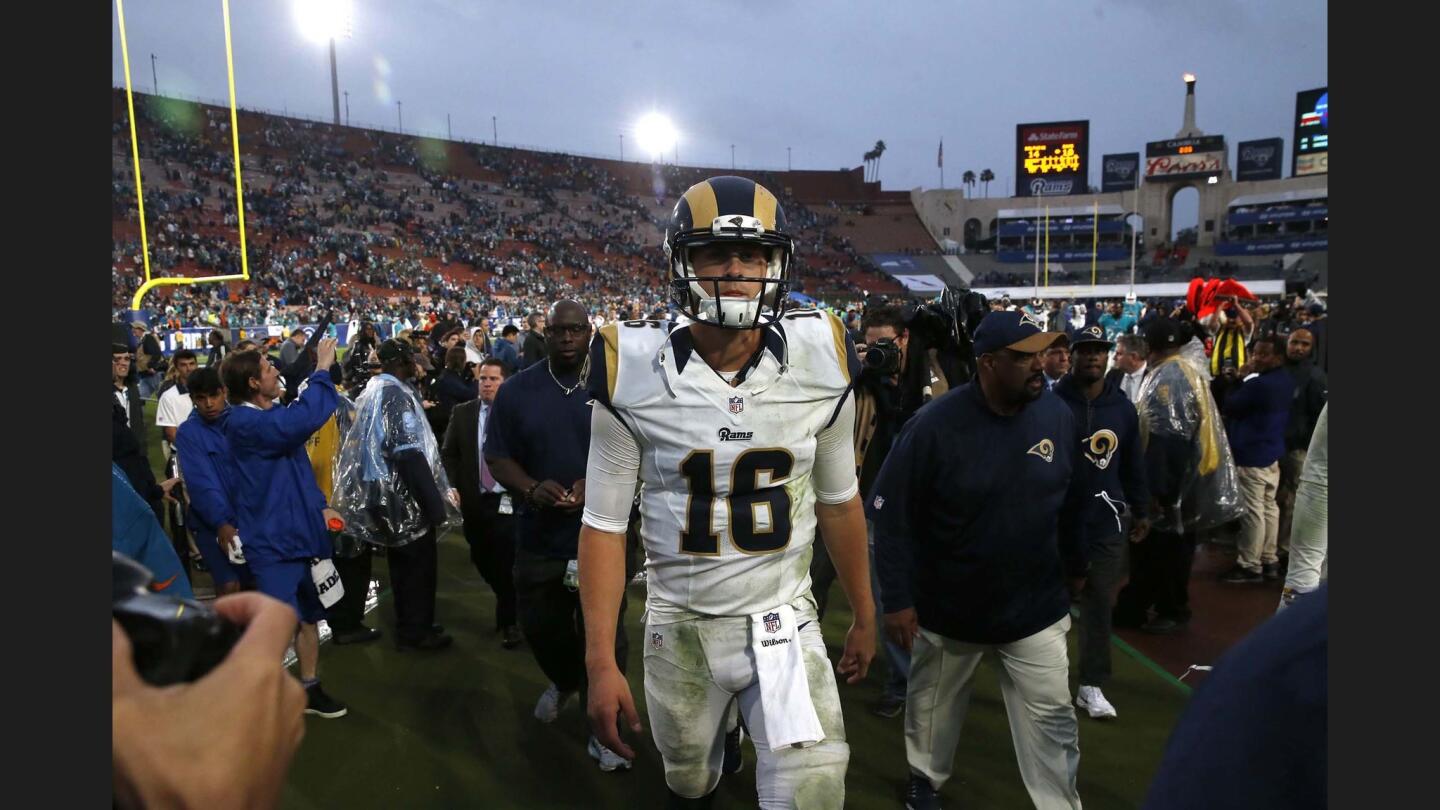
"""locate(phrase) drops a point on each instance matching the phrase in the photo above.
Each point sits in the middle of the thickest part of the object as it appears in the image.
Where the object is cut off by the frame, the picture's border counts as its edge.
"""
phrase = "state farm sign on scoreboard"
(1052, 159)
(1184, 158)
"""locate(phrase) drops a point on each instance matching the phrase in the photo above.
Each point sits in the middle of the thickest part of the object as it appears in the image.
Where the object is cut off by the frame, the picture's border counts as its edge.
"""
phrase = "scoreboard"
(1312, 133)
(1052, 159)
(1185, 158)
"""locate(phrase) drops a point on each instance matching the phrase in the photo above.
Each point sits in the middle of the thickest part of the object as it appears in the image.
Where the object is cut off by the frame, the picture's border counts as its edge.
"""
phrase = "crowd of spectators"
(369, 224)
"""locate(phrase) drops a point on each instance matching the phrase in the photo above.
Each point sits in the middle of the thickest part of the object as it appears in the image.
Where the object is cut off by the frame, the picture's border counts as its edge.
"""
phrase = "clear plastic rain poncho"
(1175, 401)
(377, 504)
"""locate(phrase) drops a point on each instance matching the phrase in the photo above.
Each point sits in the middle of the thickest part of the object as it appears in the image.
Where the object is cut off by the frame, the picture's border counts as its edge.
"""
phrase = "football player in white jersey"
(737, 426)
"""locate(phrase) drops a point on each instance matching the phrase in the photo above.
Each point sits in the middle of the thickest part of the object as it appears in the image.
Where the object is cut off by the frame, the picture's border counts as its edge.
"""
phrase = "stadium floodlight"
(1189, 77)
(655, 134)
(323, 20)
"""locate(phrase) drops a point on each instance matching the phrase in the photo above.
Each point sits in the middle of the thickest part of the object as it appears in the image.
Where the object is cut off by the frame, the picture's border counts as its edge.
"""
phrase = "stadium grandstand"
(365, 219)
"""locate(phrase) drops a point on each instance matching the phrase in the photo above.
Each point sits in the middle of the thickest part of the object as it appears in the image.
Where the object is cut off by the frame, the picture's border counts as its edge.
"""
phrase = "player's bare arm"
(842, 526)
(602, 567)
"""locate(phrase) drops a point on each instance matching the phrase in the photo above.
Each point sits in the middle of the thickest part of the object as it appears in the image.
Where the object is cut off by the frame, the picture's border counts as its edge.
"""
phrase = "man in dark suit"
(532, 347)
(484, 504)
(125, 392)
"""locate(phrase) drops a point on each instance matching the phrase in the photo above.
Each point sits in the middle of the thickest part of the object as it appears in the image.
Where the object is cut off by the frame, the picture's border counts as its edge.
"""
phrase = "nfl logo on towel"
(772, 622)
(737, 404)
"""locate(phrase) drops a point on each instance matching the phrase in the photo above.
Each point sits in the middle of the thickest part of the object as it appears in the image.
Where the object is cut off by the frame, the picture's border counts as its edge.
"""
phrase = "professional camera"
(940, 344)
(883, 357)
(173, 640)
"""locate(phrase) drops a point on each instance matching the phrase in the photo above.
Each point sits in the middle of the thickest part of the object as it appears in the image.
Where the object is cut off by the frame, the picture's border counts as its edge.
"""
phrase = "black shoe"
(1270, 571)
(321, 704)
(1161, 625)
(889, 707)
(359, 635)
(1127, 621)
(733, 760)
(1241, 576)
(434, 641)
(512, 638)
(919, 795)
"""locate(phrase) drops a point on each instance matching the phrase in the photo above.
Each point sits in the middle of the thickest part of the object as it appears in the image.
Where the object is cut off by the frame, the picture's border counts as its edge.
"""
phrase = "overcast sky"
(826, 79)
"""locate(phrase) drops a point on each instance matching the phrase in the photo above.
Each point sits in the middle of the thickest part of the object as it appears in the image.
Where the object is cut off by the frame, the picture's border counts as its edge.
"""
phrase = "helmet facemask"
(700, 298)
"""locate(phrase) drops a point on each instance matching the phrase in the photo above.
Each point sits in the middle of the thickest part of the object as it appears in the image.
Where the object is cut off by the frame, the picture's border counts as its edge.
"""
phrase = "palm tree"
(985, 177)
(968, 178)
(869, 158)
(879, 150)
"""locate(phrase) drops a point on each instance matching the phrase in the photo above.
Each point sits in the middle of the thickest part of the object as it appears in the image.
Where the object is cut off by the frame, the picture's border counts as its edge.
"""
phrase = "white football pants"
(695, 668)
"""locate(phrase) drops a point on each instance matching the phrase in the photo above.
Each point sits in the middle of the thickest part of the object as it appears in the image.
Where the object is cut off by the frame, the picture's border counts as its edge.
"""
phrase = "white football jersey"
(727, 502)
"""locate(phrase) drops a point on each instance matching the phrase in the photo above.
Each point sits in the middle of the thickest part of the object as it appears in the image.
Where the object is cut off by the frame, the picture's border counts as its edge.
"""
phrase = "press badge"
(506, 507)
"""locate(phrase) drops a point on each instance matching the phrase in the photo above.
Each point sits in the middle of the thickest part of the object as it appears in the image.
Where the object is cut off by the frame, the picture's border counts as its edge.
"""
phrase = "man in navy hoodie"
(1256, 414)
(1113, 475)
(278, 503)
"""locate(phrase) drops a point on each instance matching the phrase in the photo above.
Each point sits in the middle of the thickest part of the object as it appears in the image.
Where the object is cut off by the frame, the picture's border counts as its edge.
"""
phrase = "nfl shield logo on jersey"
(657, 640)
(737, 404)
(772, 622)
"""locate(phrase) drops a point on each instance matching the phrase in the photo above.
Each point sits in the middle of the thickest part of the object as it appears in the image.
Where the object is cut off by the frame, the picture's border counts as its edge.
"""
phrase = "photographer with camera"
(878, 417)
(911, 355)
(246, 753)
(358, 355)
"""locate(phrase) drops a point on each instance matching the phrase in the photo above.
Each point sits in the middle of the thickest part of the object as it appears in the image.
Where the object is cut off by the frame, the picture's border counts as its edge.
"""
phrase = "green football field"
(454, 728)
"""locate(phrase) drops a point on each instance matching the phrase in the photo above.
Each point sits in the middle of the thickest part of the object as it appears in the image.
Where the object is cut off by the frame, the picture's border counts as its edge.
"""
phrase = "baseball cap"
(140, 325)
(1091, 334)
(1162, 333)
(1017, 331)
(393, 349)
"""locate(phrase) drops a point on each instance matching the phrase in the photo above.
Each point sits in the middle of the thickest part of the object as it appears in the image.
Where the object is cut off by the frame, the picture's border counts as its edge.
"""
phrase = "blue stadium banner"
(1120, 172)
(1253, 248)
(1260, 160)
(1105, 254)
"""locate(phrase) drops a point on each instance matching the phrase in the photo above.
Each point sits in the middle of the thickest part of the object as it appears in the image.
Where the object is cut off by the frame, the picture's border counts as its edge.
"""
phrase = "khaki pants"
(1034, 680)
(1290, 465)
(1260, 525)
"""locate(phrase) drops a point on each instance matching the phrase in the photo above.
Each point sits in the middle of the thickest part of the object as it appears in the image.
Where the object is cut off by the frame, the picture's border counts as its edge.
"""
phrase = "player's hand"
(1075, 586)
(1139, 530)
(246, 755)
(226, 535)
(902, 627)
(167, 485)
(859, 651)
(610, 701)
(575, 497)
(325, 353)
(453, 496)
(548, 494)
